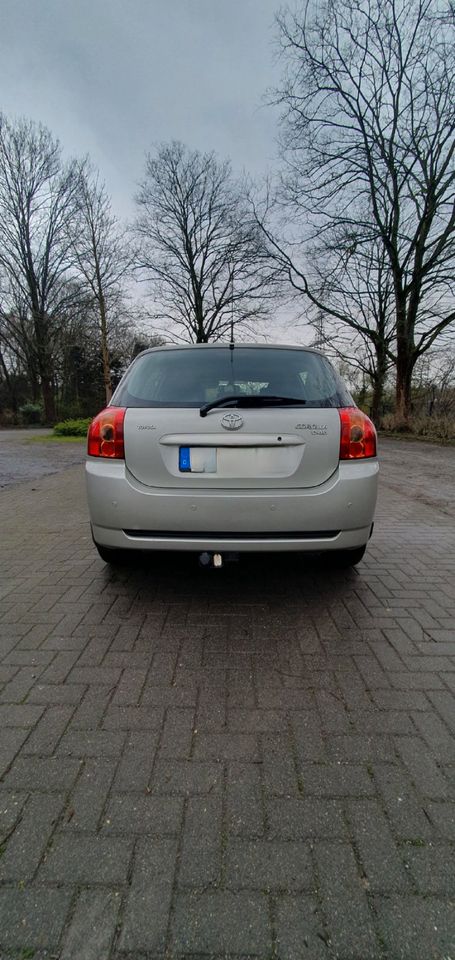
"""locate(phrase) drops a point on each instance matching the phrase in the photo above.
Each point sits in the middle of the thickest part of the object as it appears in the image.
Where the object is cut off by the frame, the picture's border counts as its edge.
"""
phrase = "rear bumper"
(337, 515)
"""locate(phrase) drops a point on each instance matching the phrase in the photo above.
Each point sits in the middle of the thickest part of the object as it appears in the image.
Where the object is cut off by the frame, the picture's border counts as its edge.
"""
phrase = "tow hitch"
(213, 560)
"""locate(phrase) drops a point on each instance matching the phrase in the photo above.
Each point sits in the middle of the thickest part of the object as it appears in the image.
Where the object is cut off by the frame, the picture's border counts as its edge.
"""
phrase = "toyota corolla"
(229, 448)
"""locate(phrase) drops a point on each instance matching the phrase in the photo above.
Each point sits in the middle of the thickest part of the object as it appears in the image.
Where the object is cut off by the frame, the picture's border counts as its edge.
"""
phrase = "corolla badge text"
(317, 430)
(232, 421)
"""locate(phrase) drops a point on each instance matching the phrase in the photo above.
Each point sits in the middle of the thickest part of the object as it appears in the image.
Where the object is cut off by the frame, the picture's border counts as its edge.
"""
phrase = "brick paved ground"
(253, 763)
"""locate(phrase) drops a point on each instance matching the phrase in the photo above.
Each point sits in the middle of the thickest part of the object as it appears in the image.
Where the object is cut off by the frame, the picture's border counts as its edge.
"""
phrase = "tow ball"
(213, 560)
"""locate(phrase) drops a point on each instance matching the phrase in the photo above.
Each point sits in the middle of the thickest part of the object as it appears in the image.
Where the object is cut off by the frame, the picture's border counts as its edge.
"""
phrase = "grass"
(51, 438)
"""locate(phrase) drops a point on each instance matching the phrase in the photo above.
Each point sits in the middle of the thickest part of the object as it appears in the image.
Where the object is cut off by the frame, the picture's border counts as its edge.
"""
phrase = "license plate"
(197, 459)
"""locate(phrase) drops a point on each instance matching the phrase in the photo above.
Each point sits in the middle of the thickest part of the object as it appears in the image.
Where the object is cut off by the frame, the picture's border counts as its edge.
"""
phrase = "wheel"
(111, 554)
(347, 558)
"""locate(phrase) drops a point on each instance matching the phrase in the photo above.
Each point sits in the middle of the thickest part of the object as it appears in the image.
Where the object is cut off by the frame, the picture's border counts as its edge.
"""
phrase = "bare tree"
(199, 246)
(103, 260)
(368, 141)
(38, 196)
(351, 300)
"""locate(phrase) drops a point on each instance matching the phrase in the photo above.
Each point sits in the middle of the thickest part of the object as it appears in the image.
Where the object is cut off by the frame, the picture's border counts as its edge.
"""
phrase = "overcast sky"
(113, 77)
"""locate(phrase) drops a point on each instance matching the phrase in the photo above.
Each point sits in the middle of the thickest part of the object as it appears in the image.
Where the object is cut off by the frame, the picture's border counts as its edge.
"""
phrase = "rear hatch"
(243, 417)
(270, 448)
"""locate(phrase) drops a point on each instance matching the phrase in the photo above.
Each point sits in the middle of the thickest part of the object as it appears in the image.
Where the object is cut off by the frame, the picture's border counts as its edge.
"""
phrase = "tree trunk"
(379, 382)
(405, 366)
(105, 350)
(10, 386)
(47, 390)
(44, 364)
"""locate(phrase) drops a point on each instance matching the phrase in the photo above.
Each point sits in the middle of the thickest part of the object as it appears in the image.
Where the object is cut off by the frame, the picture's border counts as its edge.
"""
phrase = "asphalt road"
(251, 764)
(23, 458)
(424, 472)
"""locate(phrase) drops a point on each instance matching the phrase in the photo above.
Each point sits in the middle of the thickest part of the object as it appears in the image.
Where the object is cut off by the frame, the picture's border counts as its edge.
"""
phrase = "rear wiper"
(252, 400)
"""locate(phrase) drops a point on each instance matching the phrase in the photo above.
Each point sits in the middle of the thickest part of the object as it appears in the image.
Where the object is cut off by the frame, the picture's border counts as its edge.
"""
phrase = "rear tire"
(111, 554)
(347, 558)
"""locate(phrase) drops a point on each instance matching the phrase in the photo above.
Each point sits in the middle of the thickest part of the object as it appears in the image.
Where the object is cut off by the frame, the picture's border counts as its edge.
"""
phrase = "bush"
(432, 428)
(8, 418)
(31, 412)
(73, 428)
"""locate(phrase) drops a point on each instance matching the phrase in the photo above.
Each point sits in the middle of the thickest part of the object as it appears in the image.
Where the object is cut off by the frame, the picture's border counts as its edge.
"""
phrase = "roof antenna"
(231, 345)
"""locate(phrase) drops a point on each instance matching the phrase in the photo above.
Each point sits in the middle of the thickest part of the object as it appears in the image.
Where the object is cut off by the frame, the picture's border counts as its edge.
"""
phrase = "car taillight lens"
(105, 434)
(358, 435)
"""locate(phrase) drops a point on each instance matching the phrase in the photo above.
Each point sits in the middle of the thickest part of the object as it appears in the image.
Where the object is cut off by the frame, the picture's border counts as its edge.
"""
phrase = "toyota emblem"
(232, 421)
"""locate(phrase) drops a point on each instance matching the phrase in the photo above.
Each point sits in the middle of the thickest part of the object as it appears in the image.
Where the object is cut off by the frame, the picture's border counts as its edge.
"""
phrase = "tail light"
(105, 434)
(358, 435)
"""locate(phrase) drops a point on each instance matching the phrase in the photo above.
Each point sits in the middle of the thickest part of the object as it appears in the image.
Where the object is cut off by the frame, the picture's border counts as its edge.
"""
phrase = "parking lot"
(257, 762)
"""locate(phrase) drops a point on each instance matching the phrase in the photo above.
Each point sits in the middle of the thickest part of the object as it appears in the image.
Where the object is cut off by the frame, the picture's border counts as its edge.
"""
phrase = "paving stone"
(357, 748)
(226, 746)
(92, 743)
(133, 718)
(432, 867)
(422, 768)
(27, 844)
(11, 806)
(200, 855)
(333, 712)
(83, 859)
(10, 744)
(291, 819)
(48, 731)
(104, 676)
(19, 715)
(442, 815)
(93, 926)
(407, 812)
(56, 693)
(23, 681)
(32, 918)
(382, 865)
(60, 667)
(444, 703)
(437, 736)
(344, 902)
(401, 700)
(135, 767)
(147, 910)
(336, 780)
(308, 740)
(278, 765)
(90, 712)
(414, 927)
(269, 865)
(256, 721)
(234, 923)
(186, 777)
(177, 736)
(244, 808)
(45, 774)
(88, 798)
(300, 934)
(130, 814)
(168, 696)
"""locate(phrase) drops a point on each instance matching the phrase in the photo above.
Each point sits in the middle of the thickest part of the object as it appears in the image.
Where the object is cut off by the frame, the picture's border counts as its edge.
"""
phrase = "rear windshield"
(192, 377)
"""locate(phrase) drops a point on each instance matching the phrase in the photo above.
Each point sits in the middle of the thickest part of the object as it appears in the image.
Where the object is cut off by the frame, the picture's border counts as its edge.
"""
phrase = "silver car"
(229, 448)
